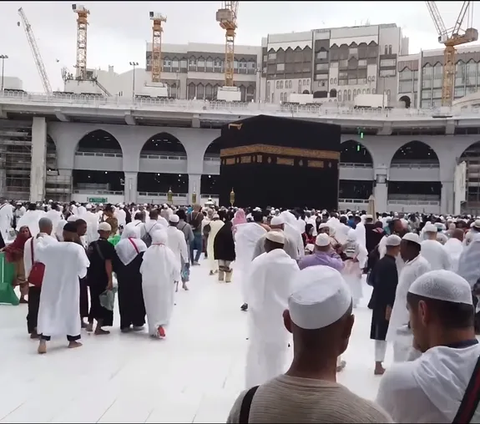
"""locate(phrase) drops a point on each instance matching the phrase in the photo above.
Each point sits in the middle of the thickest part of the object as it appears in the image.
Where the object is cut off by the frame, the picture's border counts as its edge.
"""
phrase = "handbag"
(37, 272)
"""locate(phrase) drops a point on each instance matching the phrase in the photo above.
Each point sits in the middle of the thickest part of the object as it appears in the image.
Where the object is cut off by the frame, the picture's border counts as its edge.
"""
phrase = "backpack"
(147, 238)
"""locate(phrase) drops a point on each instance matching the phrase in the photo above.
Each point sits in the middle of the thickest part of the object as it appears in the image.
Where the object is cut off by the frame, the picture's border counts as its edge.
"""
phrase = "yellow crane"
(157, 29)
(451, 38)
(227, 17)
(82, 24)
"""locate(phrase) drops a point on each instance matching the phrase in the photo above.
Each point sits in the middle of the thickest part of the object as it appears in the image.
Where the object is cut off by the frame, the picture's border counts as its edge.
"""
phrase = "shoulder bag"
(38, 269)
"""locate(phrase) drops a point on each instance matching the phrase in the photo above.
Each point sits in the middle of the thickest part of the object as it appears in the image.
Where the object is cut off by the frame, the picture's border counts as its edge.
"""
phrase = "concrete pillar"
(380, 191)
(130, 187)
(194, 186)
(38, 174)
(66, 180)
(446, 201)
(3, 172)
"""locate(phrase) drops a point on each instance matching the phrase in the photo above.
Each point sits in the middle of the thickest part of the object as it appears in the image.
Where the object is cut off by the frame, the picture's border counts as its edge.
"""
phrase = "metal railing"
(93, 191)
(152, 194)
(355, 165)
(99, 154)
(330, 109)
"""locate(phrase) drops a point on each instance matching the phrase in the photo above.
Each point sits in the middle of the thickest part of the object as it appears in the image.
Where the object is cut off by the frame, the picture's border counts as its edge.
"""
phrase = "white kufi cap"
(393, 240)
(321, 298)
(430, 228)
(277, 220)
(276, 237)
(174, 218)
(412, 237)
(443, 285)
(322, 240)
(104, 226)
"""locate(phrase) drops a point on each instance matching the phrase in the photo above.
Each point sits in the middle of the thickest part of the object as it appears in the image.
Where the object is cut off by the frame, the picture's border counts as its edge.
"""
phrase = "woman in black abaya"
(130, 251)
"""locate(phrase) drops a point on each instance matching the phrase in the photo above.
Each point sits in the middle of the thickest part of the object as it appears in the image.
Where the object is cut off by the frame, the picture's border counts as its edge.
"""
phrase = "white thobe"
(269, 286)
(30, 219)
(43, 238)
(400, 316)
(246, 238)
(160, 269)
(65, 263)
(92, 227)
(436, 255)
(469, 262)
(121, 216)
(177, 244)
(429, 389)
(360, 232)
(454, 249)
(215, 226)
(54, 216)
(6, 218)
(151, 226)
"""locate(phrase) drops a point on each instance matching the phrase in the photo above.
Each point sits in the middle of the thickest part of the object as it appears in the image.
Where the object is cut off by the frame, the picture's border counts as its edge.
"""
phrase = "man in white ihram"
(6, 218)
(433, 388)
(269, 285)
(433, 251)
(415, 266)
(65, 263)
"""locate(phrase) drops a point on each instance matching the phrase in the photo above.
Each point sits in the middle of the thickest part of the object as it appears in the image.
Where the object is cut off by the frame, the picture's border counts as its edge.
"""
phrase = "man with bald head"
(29, 258)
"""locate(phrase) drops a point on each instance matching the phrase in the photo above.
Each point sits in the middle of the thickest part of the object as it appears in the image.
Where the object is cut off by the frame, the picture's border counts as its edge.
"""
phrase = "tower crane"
(36, 52)
(227, 18)
(451, 38)
(82, 24)
(157, 29)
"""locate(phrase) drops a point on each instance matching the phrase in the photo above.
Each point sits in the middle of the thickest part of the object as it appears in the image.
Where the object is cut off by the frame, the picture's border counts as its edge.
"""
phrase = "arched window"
(349, 95)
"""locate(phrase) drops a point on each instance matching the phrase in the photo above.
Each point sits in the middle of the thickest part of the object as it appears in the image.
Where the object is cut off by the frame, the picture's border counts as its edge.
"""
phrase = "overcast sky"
(118, 30)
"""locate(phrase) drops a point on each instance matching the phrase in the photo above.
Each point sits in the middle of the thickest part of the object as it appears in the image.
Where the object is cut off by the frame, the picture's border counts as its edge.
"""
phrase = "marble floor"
(194, 375)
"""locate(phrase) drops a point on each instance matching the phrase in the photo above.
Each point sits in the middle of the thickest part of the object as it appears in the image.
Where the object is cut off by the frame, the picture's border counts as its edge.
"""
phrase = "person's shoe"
(244, 307)
(23, 300)
(138, 328)
(74, 344)
(379, 370)
(89, 327)
(185, 287)
(84, 324)
(101, 332)
(126, 330)
(195, 263)
(161, 332)
(34, 334)
(211, 272)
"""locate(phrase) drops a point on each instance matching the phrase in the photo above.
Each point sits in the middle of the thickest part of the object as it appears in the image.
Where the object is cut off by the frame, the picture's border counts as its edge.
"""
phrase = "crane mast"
(82, 24)
(157, 29)
(36, 52)
(227, 17)
(450, 39)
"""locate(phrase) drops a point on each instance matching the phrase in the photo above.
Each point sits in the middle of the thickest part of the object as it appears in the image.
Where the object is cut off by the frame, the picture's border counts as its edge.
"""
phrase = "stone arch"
(99, 140)
(333, 93)
(355, 152)
(407, 101)
(415, 151)
(213, 149)
(163, 143)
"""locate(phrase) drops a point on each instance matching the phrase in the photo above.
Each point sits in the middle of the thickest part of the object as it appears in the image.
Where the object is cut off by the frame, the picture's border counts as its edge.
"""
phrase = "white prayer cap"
(393, 240)
(216, 216)
(101, 205)
(322, 240)
(71, 218)
(277, 220)
(430, 228)
(476, 224)
(443, 285)
(18, 203)
(174, 218)
(412, 237)
(88, 206)
(322, 297)
(104, 226)
(323, 225)
(276, 236)
(368, 216)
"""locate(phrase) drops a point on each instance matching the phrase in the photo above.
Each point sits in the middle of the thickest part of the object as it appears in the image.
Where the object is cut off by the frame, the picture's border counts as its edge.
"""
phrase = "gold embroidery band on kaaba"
(281, 151)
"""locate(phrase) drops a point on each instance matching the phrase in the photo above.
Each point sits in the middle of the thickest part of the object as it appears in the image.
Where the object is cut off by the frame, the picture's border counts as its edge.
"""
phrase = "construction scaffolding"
(16, 165)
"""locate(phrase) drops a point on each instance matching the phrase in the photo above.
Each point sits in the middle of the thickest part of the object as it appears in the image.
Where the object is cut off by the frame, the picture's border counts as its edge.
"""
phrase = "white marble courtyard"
(194, 375)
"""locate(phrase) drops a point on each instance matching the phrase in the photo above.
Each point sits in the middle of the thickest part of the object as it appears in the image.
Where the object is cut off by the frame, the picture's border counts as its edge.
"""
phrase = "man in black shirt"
(102, 255)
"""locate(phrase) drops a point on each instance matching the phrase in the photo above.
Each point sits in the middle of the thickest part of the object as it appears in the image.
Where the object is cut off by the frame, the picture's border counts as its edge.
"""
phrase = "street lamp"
(2, 58)
(133, 65)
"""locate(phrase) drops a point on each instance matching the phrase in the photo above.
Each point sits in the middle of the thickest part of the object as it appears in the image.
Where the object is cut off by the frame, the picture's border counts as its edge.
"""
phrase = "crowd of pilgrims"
(301, 273)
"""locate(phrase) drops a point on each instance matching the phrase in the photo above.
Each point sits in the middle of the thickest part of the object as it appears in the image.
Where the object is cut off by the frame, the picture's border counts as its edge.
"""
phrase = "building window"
(368, 91)
(388, 62)
(272, 56)
(201, 63)
(334, 80)
(183, 64)
(277, 85)
(390, 49)
(386, 49)
(353, 51)
(281, 84)
(362, 63)
(209, 63)
(299, 86)
(373, 91)
(175, 64)
(321, 66)
(322, 55)
(331, 80)
(387, 72)
(349, 95)
(339, 96)
(281, 67)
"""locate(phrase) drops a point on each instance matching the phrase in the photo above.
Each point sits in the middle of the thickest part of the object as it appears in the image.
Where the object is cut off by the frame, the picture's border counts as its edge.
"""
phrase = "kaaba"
(279, 162)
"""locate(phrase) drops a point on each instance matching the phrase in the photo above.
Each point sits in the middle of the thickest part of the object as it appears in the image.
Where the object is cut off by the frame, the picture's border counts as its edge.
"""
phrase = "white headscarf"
(130, 245)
